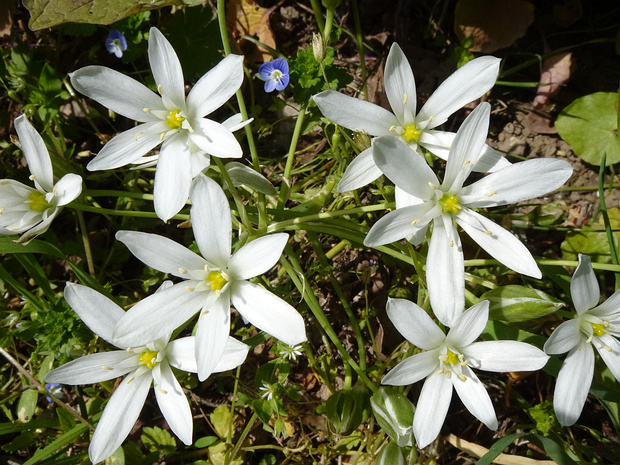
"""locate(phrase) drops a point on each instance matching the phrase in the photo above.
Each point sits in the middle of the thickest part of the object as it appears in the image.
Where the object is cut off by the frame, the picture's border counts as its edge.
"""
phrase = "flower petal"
(445, 269)
(180, 353)
(522, 181)
(212, 333)
(98, 312)
(93, 368)
(610, 309)
(215, 139)
(39, 228)
(166, 69)
(161, 253)
(35, 151)
(235, 353)
(564, 338)
(258, 256)
(469, 325)
(468, 83)
(404, 167)
(432, 409)
(361, 171)
(609, 350)
(414, 324)
(573, 384)
(173, 403)
(217, 86)
(211, 220)
(355, 114)
(399, 85)
(268, 312)
(505, 356)
(399, 224)
(498, 242)
(584, 288)
(173, 177)
(67, 189)
(475, 397)
(413, 369)
(119, 416)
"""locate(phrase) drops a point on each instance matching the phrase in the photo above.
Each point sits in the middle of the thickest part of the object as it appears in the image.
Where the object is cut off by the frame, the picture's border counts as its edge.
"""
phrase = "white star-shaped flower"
(143, 365)
(593, 326)
(447, 363)
(210, 283)
(29, 211)
(445, 203)
(187, 138)
(414, 128)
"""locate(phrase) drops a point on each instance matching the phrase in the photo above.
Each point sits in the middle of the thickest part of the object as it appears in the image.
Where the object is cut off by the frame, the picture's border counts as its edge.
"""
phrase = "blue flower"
(275, 74)
(54, 389)
(116, 43)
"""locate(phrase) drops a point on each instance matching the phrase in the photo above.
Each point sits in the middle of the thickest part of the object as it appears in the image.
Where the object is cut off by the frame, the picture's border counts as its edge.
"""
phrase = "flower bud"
(390, 454)
(394, 413)
(346, 410)
(318, 47)
(331, 4)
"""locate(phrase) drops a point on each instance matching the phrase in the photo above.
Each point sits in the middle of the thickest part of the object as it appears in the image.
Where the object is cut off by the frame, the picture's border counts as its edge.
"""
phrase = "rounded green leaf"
(590, 126)
(515, 304)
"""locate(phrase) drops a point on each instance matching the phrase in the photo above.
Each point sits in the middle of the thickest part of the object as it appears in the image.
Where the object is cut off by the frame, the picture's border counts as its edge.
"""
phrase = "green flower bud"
(346, 410)
(394, 413)
(390, 454)
(318, 47)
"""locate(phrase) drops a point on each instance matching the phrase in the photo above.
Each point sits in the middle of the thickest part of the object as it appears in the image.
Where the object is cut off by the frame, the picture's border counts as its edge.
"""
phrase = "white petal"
(67, 189)
(466, 84)
(235, 353)
(161, 253)
(166, 69)
(181, 354)
(466, 148)
(235, 122)
(258, 256)
(404, 167)
(211, 220)
(128, 146)
(173, 403)
(268, 312)
(35, 151)
(505, 356)
(398, 224)
(217, 86)
(609, 350)
(39, 228)
(584, 288)
(500, 243)
(158, 315)
(212, 333)
(573, 384)
(414, 324)
(564, 338)
(215, 139)
(173, 177)
(445, 269)
(413, 369)
(475, 397)
(119, 416)
(98, 312)
(93, 368)
(608, 309)
(469, 325)
(355, 114)
(118, 92)
(360, 172)
(432, 408)
(522, 181)
(399, 85)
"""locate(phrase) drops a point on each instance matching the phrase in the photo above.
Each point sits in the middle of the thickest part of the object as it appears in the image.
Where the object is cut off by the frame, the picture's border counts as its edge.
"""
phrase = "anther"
(414, 222)
(607, 348)
(138, 135)
(161, 390)
(466, 163)
(463, 377)
(146, 110)
(159, 88)
(31, 177)
(451, 243)
(130, 379)
(103, 367)
(392, 128)
(433, 186)
(162, 135)
(190, 289)
(492, 193)
(405, 99)
(487, 232)
(182, 271)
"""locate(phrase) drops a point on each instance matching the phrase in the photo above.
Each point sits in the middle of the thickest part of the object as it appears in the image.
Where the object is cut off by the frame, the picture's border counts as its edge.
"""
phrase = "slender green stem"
(360, 47)
(135, 214)
(231, 426)
(243, 215)
(544, 261)
(329, 22)
(87, 250)
(244, 434)
(114, 193)
(610, 236)
(318, 15)
(290, 157)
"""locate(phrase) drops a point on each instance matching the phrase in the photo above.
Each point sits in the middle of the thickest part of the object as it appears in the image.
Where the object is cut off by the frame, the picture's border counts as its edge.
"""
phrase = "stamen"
(31, 177)
(161, 390)
(492, 193)
(405, 99)
(146, 110)
(1, 210)
(433, 186)
(182, 270)
(138, 135)
(162, 135)
(159, 88)
(414, 222)
(392, 128)
(487, 232)
(451, 243)
(190, 289)
(103, 367)
(466, 163)
(462, 377)
(129, 380)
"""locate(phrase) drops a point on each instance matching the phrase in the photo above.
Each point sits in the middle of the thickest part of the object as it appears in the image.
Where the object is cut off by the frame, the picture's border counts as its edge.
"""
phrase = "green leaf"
(497, 448)
(390, 454)
(394, 413)
(590, 126)
(592, 243)
(156, 439)
(263, 409)
(221, 419)
(205, 441)
(67, 422)
(515, 304)
(241, 174)
(27, 405)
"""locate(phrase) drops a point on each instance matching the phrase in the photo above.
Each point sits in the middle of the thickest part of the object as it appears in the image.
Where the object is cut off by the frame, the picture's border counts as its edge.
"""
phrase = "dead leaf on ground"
(556, 71)
(493, 24)
(246, 18)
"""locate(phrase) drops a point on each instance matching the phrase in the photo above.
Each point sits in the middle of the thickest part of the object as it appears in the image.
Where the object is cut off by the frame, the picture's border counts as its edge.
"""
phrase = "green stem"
(244, 434)
(329, 22)
(231, 426)
(360, 47)
(87, 250)
(610, 236)
(290, 157)
(135, 214)
(318, 15)
(114, 193)
(243, 215)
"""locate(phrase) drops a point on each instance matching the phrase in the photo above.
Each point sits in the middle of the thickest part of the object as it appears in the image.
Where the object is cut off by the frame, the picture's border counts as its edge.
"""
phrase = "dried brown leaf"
(556, 71)
(245, 17)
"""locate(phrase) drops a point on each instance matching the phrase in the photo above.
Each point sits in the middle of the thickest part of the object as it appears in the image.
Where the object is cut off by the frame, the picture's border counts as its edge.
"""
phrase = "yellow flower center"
(148, 358)
(450, 203)
(598, 329)
(175, 120)
(451, 358)
(411, 134)
(217, 280)
(38, 202)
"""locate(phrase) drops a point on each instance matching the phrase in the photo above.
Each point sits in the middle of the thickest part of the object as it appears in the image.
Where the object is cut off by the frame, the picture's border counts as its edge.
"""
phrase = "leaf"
(245, 17)
(492, 24)
(593, 243)
(241, 174)
(205, 441)
(220, 419)
(590, 126)
(156, 439)
(27, 405)
(515, 304)
(48, 13)
(556, 71)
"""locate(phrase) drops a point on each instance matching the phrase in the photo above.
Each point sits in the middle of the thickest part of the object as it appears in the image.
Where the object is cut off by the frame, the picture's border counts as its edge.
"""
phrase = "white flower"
(448, 202)
(448, 361)
(291, 352)
(210, 283)
(468, 83)
(266, 391)
(28, 211)
(592, 326)
(143, 365)
(179, 124)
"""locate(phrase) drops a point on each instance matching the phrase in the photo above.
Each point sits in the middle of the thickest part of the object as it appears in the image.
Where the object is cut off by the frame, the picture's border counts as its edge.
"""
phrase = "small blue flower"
(275, 74)
(54, 389)
(116, 43)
